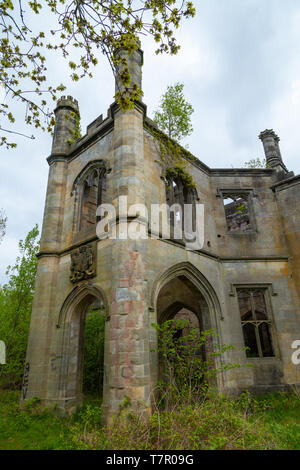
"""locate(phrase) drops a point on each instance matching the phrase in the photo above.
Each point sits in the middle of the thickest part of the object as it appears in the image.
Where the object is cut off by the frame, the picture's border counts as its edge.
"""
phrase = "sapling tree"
(174, 114)
(189, 362)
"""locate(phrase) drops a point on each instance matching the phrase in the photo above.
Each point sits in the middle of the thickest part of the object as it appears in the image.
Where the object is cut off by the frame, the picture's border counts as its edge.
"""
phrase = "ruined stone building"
(244, 282)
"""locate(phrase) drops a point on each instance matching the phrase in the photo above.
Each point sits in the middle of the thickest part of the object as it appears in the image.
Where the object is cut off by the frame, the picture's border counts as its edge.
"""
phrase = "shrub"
(189, 362)
(214, 423)
(15, 310)
(188, 413)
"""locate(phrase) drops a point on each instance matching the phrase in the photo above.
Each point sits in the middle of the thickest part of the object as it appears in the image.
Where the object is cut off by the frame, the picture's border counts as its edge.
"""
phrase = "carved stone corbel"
(83, 263)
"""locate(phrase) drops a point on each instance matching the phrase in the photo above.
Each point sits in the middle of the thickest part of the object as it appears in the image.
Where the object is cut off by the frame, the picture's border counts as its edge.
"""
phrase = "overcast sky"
(240, 64)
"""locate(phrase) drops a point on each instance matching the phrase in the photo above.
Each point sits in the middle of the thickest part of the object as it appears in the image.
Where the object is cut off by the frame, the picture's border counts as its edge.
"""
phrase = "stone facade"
(145, 281)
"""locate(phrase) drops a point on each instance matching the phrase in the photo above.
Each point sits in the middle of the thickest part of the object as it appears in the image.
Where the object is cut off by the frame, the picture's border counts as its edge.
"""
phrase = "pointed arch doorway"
(81, 302)
(182, 292)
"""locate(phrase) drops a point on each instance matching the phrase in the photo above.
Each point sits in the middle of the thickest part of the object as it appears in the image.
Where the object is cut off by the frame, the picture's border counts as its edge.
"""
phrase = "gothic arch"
(71, 323)
(183, 285)
(175, 308)
(198, 280)
(77, 294)
(89, 188)
(86, 170)
(179, 194)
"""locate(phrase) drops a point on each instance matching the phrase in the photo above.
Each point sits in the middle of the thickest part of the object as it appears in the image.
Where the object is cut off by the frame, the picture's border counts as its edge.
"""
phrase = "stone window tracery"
(90, 189)
(177, 195)
(256, 322)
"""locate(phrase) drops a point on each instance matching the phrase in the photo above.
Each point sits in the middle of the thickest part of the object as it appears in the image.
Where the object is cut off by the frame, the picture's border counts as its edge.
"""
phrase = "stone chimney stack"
(66, 115)
(272, 151)
(135, 63)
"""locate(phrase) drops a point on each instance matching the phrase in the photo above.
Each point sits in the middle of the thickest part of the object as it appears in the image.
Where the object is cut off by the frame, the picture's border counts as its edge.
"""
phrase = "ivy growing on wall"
(173, 158)
(76, 134)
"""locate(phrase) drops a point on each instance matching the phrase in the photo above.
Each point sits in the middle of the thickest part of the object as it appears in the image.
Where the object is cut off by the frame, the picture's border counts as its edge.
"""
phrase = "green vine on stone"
(128, 97)
(76, 134)
(129, 92)
(173, 158)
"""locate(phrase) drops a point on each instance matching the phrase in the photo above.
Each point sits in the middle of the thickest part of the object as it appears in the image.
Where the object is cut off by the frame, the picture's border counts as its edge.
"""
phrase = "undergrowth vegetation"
(188, 412)
(268, 422)
(16, 298)
(214, 423)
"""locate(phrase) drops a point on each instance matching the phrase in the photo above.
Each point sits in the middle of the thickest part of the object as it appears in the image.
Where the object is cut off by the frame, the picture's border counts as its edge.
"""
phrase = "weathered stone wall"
(140, 281)
(287, 194)
(259, 258)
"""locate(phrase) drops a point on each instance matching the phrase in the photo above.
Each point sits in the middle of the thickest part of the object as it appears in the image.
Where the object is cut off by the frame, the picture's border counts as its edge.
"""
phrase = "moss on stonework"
(177, 172)
(173, 158)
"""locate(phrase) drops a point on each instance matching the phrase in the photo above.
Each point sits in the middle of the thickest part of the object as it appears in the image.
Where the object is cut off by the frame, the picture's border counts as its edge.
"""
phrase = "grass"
(268, 422)
(31, 428)
(282, 419)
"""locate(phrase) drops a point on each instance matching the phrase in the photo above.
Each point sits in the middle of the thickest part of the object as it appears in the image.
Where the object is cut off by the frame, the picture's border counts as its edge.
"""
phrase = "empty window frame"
(237, 212)
(177, 195)
(90, 189)
(256, 322)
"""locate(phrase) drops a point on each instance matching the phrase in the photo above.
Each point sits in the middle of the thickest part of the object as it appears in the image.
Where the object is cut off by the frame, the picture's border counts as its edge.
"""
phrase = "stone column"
(272, 151)
(43, 317)
(128, 363)
(134, 63)
(66, 114)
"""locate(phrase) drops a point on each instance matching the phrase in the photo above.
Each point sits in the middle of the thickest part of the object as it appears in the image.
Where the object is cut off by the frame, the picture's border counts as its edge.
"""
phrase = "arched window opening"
(190, 331)
(89, 200)
(92, 197)
(191, 321)
(90, 192)
(179, 194)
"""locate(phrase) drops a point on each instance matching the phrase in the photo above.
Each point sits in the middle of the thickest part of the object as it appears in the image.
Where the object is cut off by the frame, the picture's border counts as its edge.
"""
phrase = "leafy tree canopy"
(174, 115)
(15, 308)
(84, 27)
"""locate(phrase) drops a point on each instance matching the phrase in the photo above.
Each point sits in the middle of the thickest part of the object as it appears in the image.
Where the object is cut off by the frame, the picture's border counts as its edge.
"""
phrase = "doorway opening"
(93, 353)
(183, 310)
(82, 373)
